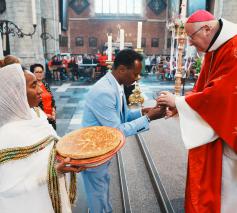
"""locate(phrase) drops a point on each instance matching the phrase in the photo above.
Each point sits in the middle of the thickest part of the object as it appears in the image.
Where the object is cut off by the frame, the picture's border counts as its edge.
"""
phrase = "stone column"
(229, 10)
(50, 10)
(1, 48)
(218, 8)
(226, 9)
(28, 49)
(166, 30)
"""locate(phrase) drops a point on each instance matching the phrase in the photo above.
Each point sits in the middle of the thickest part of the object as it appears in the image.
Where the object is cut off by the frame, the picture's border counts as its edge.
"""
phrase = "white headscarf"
(13, 99)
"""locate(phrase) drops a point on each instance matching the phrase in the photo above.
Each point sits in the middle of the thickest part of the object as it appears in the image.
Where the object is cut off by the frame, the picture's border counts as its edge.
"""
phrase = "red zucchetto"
(200, 16)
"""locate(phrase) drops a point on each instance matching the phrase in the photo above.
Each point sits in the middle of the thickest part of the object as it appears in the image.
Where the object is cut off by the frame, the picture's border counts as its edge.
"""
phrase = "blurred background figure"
(73, 69)
(47, 103)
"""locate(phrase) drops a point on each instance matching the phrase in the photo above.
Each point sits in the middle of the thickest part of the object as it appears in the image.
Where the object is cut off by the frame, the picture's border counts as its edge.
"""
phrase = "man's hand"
(146, 110)
(166, 98)
(64, 167)
(54, 114)
(170, 112)
(156, 113)
(50, 117)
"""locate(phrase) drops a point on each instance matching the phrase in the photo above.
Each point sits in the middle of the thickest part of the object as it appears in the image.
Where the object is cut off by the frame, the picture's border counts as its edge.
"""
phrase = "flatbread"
(89, 142)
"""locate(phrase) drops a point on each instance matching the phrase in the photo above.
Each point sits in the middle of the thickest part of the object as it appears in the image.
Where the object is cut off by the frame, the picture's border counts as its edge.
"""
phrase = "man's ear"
(208, 29)
(122, 68)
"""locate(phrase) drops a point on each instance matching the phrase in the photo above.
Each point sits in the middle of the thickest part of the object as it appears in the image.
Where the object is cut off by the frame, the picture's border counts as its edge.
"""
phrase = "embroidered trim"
(18, 153)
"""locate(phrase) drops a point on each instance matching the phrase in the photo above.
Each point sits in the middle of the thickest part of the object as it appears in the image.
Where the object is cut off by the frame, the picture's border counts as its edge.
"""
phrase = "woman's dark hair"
(127, 58)
(33, 66)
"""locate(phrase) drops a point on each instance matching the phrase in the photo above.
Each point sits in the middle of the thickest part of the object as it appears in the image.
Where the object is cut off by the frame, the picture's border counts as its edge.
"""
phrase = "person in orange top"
(102, 61)
(208, 117)
(48, 103)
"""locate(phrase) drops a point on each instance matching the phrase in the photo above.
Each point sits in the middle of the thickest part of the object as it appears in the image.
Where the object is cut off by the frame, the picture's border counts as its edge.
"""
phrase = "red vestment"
(214, 98)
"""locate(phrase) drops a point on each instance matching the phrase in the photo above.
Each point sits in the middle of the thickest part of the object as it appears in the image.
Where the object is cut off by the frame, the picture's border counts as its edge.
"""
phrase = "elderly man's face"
(198, 36)
(33, 90)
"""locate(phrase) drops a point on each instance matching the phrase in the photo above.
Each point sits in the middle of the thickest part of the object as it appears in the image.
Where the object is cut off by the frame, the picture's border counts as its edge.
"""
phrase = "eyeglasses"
(193, 34)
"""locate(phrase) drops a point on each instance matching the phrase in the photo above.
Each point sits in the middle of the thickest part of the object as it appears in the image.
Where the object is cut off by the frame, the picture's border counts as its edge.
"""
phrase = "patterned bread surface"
(89, 142)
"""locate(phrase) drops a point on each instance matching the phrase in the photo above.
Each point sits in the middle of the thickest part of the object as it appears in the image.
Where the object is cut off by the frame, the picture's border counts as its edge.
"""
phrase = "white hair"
(197, 25)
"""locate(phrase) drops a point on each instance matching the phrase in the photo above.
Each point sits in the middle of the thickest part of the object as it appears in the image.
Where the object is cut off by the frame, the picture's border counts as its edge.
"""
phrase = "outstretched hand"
(64, 166)
(156, 113)
(146, 110)
(170, 112)
(166, 98)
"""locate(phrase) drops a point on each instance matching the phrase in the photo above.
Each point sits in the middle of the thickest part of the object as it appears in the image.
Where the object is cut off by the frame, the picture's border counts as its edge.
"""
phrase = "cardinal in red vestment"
(208, 117)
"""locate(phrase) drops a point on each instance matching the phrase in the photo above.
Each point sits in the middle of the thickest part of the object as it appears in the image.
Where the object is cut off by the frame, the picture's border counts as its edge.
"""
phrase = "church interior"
(73, 44)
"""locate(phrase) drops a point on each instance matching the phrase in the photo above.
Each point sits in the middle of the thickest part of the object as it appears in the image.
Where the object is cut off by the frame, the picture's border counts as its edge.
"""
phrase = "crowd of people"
(72, 68)
(208, 121)
(165, 69)
(93, 67)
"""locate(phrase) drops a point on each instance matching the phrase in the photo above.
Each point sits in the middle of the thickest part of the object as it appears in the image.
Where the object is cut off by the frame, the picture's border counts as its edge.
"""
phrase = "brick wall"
(86, 25)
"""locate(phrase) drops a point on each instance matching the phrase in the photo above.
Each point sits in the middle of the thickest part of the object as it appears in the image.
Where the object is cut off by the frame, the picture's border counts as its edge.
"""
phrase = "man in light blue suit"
(106, 106)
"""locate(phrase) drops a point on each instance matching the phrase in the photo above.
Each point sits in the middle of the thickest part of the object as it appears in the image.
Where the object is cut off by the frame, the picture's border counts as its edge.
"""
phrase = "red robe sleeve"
(215, 94)
(214, 98)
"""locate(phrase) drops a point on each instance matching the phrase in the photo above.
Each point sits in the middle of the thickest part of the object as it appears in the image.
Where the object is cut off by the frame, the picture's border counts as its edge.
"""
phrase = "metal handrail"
(161, 195)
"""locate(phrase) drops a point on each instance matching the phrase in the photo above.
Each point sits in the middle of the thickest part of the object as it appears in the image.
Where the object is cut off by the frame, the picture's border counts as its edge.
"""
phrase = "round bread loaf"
(89, 142)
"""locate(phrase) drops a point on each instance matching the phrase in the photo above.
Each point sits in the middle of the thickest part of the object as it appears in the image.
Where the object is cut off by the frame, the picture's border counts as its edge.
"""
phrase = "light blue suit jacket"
(103, 108)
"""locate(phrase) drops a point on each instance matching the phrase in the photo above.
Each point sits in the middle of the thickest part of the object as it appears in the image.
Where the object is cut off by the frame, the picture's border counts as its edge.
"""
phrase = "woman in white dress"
(30, 181)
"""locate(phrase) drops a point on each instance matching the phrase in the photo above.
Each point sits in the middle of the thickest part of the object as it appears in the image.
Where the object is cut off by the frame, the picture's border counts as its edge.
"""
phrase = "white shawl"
(23, 183)
(13, 99)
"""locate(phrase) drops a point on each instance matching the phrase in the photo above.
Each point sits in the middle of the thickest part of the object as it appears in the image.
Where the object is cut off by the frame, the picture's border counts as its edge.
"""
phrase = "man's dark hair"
(127, 57)
(33, 66)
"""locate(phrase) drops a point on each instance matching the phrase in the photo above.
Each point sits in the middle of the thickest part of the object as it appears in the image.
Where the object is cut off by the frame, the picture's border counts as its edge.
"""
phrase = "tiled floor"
(70, 100)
